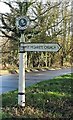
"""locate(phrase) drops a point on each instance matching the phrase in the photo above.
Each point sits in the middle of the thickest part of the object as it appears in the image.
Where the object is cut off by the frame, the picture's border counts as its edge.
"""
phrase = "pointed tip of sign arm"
(60, 46)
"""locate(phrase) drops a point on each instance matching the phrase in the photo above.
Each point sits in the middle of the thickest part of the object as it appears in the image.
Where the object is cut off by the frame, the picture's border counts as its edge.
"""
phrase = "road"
(10, 82)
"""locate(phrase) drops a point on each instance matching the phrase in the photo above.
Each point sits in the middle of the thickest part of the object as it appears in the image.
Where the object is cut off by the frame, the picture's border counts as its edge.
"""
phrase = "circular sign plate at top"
(22, 22)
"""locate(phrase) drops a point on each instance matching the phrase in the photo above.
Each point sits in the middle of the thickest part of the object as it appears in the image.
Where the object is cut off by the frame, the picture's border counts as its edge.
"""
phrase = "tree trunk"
(46, 59)
(71, 46)
(49, 60)
(29, 60)
(62, 60)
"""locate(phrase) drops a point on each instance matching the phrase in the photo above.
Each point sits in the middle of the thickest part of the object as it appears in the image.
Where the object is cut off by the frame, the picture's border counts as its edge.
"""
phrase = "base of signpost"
(21, 100)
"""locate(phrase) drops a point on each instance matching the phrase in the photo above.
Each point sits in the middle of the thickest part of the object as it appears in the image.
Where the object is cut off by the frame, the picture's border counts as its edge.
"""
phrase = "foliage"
(48, 23)
(51, 99)
(8, 20)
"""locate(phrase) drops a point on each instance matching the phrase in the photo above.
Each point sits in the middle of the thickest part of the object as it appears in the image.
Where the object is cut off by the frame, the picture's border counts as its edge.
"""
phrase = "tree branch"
(6, 35)
(9, 5)
(4, 43)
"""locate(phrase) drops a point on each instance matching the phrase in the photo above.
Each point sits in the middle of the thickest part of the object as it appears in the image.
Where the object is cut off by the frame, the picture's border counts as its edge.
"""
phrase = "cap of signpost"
(22, 22)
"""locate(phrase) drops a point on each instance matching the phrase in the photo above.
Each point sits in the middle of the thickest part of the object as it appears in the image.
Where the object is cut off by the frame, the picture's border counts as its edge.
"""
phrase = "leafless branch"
(6, 35)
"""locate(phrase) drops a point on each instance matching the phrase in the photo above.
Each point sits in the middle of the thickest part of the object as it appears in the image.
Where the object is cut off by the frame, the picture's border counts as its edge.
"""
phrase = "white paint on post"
(25, 59)
(21, 88)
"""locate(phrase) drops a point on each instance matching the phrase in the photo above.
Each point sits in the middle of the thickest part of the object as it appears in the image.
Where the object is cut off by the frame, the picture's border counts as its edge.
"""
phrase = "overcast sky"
(4, 8)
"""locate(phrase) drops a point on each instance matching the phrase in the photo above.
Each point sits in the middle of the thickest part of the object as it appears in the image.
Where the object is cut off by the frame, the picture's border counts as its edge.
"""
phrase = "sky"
(4, 8)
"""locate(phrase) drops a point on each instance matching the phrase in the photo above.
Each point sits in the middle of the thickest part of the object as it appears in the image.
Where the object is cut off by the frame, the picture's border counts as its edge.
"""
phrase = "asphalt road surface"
(10, 82)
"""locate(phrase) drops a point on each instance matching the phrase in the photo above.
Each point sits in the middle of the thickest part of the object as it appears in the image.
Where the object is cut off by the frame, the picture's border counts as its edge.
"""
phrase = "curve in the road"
(10, 82)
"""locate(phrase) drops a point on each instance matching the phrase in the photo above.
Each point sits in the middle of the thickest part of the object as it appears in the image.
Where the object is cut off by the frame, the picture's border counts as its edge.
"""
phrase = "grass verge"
(47, 99)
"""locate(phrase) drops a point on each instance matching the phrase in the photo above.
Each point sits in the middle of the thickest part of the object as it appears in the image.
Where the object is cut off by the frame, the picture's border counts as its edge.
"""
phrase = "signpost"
(51, 47)
(22, 23)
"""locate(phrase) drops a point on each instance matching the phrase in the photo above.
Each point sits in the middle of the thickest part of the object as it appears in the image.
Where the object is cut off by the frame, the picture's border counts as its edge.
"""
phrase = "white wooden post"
(22, 23)
(25, 59)
(21, 88)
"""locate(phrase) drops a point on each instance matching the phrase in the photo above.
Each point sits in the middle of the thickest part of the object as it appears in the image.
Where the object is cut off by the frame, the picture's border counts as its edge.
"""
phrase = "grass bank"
(47, 99)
